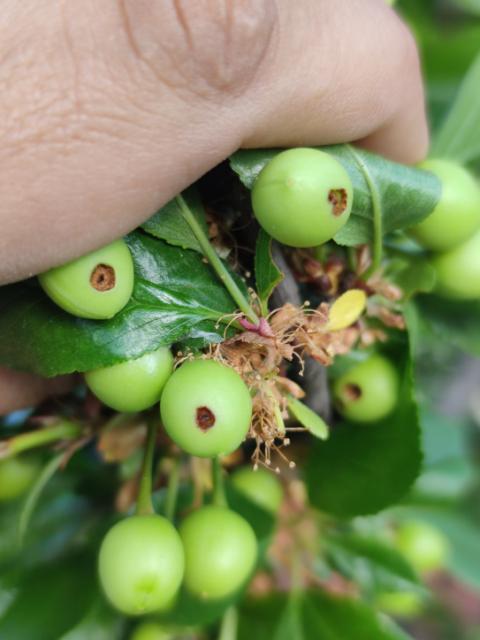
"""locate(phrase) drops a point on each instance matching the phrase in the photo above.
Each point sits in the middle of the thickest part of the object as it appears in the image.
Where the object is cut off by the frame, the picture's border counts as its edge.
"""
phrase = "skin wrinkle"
(183, 22)
(205, 49)
(144, 54)
(70, 50)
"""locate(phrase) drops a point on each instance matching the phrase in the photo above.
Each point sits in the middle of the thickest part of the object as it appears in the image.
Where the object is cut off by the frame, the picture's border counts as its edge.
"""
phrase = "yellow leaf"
(346, 309)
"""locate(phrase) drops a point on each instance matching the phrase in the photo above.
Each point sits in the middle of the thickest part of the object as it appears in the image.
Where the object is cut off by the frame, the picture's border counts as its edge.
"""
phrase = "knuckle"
(408, 53)
(208, 47)
(400, 83)
(406, 60)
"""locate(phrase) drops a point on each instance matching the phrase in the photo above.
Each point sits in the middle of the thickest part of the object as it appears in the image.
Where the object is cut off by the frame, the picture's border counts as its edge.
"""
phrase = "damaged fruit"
(96, 286)
(206, 408)
(302, 197)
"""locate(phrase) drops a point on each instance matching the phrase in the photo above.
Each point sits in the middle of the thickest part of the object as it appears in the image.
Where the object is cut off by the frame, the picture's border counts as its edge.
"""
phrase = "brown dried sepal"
(118, 442)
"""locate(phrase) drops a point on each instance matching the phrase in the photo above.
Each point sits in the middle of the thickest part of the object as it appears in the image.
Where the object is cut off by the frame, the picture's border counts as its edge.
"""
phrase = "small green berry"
(220, 552)
(261, 487)
(96, 286)
(206, 408)
(401, 604)
(141, 564)
(133, 385)
(16, 476)
(302, 197)
(368, 391)
(457, 213)
(458, 271)
(424, 546)
(151, 631)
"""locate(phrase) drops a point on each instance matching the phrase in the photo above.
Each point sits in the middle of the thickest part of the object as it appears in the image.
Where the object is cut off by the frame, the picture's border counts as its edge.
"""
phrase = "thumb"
(115, 107)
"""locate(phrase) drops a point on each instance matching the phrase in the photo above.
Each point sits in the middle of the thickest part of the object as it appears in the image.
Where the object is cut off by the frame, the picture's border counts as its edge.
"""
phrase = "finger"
(19, 390)
(342, 71)
(108, 110)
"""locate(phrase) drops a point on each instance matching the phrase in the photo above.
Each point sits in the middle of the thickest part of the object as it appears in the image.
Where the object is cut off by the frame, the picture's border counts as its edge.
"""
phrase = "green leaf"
(459, 136)
(290, 624)
(192, 611)
(455, 321)
(267, 274)
(407, 195)
(446, 482)
(100, 623)
(314, 616)
(169, 224)
(471, 6)
(363, 468)
(444, 437)
(308, 418)
(371, 561)
(413, 275)
(50, 600)
(452, 322)
(448, 469)
(176, 297)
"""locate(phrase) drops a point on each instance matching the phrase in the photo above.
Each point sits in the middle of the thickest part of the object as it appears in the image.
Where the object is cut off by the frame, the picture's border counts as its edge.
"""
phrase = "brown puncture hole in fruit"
(352, 392)
(338, 200)
(102, 277)
(205, 418)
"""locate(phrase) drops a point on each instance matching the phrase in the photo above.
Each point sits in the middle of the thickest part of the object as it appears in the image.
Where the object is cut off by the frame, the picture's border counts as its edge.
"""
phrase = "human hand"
(110, 110)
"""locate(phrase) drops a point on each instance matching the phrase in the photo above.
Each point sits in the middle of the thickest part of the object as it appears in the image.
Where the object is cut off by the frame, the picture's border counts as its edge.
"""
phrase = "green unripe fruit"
(206, 408)
(151, 631)
(401, 604)
(96, 286)
(424, 546)
(458, 271)
(368, 391)
(220, 552)
(261, 487)
(141, 564)
(457, 214)
(16, 477)
(133, 385)
(302, 197)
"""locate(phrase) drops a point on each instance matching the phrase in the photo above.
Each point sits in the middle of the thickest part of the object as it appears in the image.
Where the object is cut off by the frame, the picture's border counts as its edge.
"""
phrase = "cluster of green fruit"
(427, 550)
(144, 559)
(303, 197)
(452, 231)
(205, 406)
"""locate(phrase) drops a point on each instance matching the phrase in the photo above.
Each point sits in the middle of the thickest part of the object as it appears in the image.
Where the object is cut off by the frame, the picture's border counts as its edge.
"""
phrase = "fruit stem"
(219, 497)
(215, 261)
(35, 492)
(172, 491)
(144, 499)
(64, 430)
(377, 245)
(229, 626)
